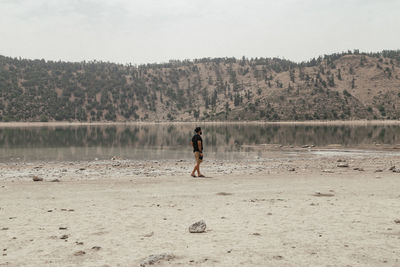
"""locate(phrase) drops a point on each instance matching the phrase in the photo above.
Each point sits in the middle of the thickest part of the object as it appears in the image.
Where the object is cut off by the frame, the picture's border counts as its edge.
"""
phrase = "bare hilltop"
(343, 86)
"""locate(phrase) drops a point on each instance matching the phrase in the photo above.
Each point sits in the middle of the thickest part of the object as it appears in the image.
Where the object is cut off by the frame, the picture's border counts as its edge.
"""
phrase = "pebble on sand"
(79, 253)
(149, 234)
(198, 227)
(37, 179)
(153, 259)
(319, 194)
(343, 165)
(224, 194)
(67, 210)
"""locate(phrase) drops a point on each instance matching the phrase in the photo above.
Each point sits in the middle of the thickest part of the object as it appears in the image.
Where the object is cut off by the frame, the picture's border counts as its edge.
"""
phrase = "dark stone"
(64, 237)
(343, 165)
(37, 179)
(198, 227)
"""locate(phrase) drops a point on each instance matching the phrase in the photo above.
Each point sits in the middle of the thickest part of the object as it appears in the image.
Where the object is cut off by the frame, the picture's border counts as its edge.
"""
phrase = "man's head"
(198, 130)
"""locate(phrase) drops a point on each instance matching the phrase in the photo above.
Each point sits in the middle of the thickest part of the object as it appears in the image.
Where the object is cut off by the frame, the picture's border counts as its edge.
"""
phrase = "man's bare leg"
(198, 171)
(196, 167)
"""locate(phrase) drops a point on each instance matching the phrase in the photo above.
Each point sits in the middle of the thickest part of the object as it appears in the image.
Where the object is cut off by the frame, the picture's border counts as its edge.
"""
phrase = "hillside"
(343, 86)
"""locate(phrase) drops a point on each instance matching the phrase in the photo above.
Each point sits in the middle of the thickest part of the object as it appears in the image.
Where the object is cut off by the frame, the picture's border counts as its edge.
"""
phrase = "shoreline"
(277, 162)
(139, 123)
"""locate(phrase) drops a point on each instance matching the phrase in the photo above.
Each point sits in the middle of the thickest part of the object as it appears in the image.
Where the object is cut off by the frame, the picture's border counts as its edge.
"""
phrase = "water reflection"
(162, 141)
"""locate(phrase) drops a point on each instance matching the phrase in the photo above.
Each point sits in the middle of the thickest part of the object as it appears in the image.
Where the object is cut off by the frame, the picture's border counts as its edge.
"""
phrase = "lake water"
(172, 141)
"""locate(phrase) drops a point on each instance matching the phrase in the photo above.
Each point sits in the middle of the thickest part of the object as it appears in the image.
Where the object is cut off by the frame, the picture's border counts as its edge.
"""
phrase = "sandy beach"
(302, 212)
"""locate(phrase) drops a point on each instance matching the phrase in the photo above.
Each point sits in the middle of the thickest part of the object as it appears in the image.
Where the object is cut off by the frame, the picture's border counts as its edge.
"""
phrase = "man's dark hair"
(198, 129)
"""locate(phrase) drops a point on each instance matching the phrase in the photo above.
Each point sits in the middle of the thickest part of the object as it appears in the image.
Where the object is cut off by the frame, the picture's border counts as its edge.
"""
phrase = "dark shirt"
(196, 138)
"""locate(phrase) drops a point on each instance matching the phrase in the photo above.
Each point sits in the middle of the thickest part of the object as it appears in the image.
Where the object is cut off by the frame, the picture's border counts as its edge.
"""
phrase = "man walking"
(197, 144)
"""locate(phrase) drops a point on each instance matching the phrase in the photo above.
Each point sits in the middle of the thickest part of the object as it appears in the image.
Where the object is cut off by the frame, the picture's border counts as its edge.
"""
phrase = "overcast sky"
(145, 31)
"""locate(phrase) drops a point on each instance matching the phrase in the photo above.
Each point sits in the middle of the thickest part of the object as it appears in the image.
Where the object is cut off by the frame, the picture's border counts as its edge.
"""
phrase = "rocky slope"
(350, 85)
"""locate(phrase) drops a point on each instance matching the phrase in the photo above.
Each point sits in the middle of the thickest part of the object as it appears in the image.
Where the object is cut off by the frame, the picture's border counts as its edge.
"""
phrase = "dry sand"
(258, 213)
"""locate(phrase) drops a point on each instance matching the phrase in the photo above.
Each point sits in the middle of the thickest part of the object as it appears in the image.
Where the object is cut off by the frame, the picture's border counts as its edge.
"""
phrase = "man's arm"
(200, 146)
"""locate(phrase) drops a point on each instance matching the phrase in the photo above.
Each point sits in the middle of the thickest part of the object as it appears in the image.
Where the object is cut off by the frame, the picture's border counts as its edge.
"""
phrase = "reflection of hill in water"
(217, 137)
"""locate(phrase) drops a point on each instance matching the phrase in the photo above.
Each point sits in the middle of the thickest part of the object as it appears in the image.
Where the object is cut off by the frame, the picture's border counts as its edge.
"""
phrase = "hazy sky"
(144, 31)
